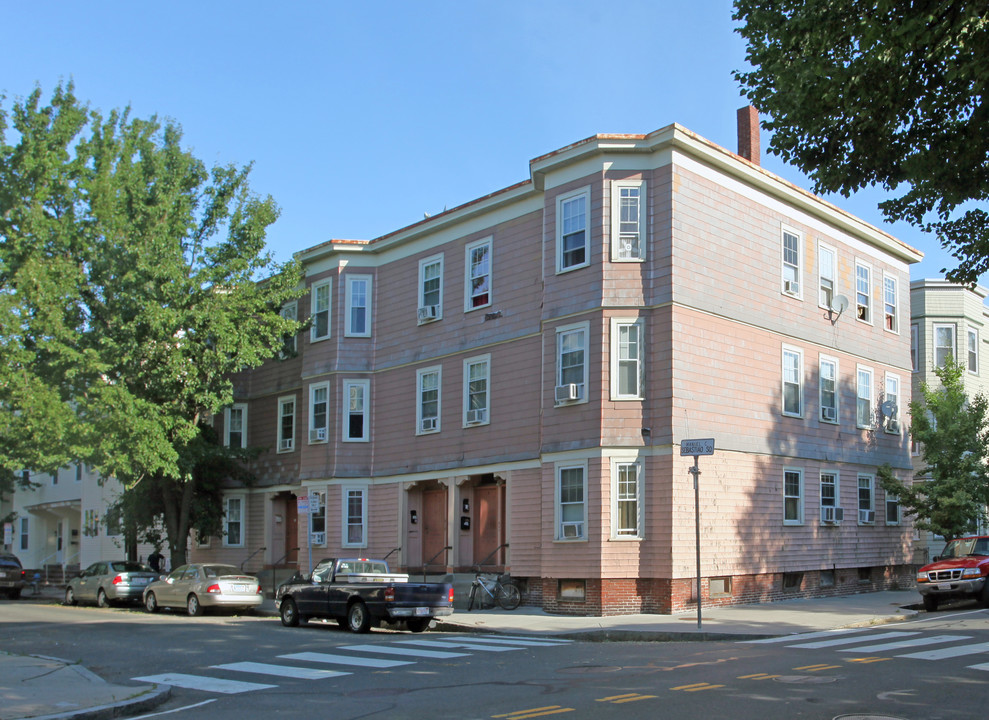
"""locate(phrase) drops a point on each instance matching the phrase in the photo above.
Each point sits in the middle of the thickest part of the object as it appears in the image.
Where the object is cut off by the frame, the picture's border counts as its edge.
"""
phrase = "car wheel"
(417, 625)
(984, 595)
(70, 597)
(289, 613)
(15, 594)
(151, 603)
(358, 618)
(101, 599)
(930, 603)
(193, 606)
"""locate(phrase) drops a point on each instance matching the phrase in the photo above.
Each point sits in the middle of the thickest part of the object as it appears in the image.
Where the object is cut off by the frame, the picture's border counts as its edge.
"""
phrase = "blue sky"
(360, 117)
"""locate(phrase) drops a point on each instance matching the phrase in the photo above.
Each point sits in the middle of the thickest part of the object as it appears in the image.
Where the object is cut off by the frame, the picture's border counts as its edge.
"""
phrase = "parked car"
(199, 586)
(961, 571)
(108, 582)
(11, 576)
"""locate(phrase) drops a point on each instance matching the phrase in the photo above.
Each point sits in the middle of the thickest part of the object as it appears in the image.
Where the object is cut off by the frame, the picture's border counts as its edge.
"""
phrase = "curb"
(147, 700)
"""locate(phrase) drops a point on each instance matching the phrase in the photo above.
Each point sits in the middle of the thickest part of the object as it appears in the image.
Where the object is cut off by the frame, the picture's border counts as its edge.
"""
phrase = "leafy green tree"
(881, 93)
(949, 494)
(133, 282)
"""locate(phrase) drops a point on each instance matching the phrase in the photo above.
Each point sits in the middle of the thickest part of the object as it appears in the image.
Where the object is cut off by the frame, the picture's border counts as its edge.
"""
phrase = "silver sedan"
(109, 581)
(199, 586)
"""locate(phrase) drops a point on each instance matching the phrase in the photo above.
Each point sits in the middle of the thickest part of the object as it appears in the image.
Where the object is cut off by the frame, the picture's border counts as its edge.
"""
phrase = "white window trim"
(837, 487)
(290, 310)
(616, 464)
(345, 517)
(616, 325)
(954, 341)
(837, 389)
(468, 363)
(888, 498)
(893, 430)
(820, 275)
(311, 516)
(423, 264)
(326, 434)
(290, 446)
(328, 284)
(896, 306)
(800, 381)
(438, 369)
(978, 359)
(345, 409)
(557, 505)
(560, 200)
(226, 424)
(616, 187)
(872, 397)
(368, 308)
(915, 347)
(799, 292)
(560, 332)
(872, 497)
(484, 242)
(801, 495)
(242, 519)
(869, 294)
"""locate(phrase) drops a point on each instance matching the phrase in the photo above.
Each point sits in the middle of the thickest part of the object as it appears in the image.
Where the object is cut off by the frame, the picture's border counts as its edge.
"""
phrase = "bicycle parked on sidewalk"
(498, 590)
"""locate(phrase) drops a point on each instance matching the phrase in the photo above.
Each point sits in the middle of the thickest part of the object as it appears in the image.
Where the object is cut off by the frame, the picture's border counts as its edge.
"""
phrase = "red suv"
(960, 572)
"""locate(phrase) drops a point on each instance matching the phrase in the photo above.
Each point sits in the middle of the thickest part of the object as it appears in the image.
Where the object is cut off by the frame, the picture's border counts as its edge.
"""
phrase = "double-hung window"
(867, 511)
(572, 243)
(863, 397)
(792, 382)
(359, 298)
(944, 344)
(24, 533)
(827, 271)
(289, 311)
(235, 426)
(628, 221)
(791, 262)
(890, 320)
(793, 496)
(863, 292)
(354, 520)
(428, 401)
(828, 374)
(973, 351)
(319, 412)
(829, 495)
(317, 517)
(892, 509)
(914, 348)
(571, 502)
(233, 521)
(320, 311)
(891, 404)
(571, 363)
(355, 411)
(626, 506)
(286, 424)
(478, 276)
(626, 359)
(477, 390)
(430, 289)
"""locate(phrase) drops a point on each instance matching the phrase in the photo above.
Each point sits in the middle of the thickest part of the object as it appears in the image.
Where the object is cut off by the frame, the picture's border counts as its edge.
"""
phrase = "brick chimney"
(748, 133)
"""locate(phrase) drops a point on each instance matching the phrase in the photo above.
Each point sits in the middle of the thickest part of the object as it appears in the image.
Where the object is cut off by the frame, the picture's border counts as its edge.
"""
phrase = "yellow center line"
(616, 697)
(534, 712)
(696, 686)
(633, 699)
(869, 659)
(757, 676)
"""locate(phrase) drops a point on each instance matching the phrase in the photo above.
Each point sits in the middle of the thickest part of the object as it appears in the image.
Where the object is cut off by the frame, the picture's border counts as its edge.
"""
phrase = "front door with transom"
(434, 527)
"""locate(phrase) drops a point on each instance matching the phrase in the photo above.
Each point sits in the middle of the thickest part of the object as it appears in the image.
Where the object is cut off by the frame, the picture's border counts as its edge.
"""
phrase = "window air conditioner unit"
(572, 529)
(567, 393)
(317, 435)
(319, 538)
(829, 413)
(428, 312)
(832, 514)
(285, 444)
(428, 424)
(867, 516)
(791, 287)
(476, 416)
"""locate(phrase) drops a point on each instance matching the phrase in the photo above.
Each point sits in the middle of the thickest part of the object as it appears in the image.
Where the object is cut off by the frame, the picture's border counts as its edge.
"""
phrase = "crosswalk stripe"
(849, 641)
(287, 671)
(912, 642)
(547, 640)
(447, 644)
(800, 636)
(980, 666)
(949, 652)
(409, 652)
(345, 660)
(500, 641)
(207, 684)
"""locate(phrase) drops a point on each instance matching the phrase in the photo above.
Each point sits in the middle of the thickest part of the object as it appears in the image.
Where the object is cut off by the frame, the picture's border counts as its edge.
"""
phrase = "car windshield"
(966, 546)
(212, 571)
(129, 567)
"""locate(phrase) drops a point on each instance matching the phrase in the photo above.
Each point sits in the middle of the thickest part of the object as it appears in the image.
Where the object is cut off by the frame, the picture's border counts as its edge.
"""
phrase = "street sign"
(314, 503)
(302, 504)
(704, 446)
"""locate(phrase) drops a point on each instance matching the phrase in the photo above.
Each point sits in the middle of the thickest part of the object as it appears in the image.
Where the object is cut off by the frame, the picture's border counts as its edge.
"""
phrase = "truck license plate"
(420, 611)
(944, 586)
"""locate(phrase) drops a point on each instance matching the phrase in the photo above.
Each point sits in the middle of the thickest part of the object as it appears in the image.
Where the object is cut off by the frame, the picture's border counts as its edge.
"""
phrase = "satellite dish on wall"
(888, 409)
(839, 304)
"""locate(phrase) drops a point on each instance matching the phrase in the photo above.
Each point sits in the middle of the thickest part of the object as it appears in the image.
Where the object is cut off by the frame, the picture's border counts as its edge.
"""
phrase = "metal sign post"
(697, 448)
(302, 506)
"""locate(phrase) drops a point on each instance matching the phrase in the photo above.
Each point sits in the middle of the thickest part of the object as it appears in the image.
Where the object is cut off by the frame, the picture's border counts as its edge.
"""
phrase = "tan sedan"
(199, 586)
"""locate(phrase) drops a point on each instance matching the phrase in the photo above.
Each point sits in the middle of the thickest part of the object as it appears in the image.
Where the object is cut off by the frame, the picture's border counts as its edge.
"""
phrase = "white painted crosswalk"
(348, 659)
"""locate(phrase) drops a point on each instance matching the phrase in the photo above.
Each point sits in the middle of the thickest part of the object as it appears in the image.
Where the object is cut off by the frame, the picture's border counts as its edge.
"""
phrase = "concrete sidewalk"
(48, 688)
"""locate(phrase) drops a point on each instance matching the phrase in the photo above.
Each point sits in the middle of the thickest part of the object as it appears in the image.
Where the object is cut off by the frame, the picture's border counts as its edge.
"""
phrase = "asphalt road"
(248, 667)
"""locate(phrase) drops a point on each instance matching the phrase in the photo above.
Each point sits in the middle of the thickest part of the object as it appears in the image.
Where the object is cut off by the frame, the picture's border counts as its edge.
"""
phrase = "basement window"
(792, 581)
(719, 587)
(573, 590)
